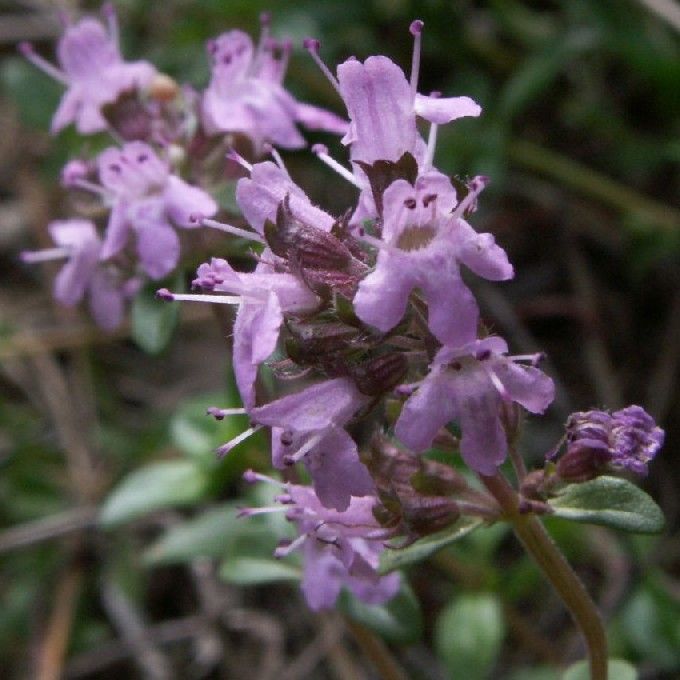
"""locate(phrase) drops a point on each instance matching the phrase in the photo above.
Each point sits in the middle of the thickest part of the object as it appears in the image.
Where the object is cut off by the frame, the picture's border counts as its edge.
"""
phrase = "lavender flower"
(93, 71)
(424, 237)
(246, 95)
(145, 197)
(78, 242)
(340, 549)
(309, 426)
(467, 385)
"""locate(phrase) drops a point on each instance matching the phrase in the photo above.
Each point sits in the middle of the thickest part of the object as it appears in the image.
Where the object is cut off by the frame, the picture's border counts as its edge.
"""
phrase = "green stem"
(547, 555)
(590, 183)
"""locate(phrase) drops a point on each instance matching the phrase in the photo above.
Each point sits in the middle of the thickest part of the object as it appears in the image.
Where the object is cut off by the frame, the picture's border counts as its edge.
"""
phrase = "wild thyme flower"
(93, 71)
(246, 94)
(424, 238)
(77, 241)
(147, 199)
(339, 549)
(467, 385)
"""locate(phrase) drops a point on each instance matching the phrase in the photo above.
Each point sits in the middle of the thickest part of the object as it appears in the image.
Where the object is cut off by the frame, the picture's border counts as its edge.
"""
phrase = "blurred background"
(119, 551)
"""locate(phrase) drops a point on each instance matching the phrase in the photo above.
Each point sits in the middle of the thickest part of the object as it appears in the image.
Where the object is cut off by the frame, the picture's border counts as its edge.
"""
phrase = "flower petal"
(442, 110)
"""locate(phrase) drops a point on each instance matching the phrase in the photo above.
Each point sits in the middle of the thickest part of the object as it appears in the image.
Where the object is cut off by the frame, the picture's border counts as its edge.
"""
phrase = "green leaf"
(609, 501)
(617, 669)
(207, 535)
(154, 320)
(400, 620)
(155, 486)
(250, 571)
(468, 635)
(395, 558)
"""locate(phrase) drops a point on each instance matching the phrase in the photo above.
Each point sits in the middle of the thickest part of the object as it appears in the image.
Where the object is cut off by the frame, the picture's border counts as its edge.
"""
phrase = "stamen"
(533, 359)
(285, 549)
(496, 382)
(251, 512)
(92, 187)
(226, 448)
(109, 12)
(251, 477)
(268, 148)
(321, 151)
(416, 29)
(477, 185)
(235, 156)
(312, 46)
(165, 294)
(291, 458)
(431, 146)
(377, 243)
(222, 413)
(29, 53)
(45, 255)
(228, 228)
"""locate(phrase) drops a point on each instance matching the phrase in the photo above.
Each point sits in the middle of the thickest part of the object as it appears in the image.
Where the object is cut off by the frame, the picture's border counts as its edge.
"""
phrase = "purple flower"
(263, 296)
(77, 240)
(424, 238)
(147, 198)
(383, 106)
(246, 95)
(260, 195)
(467, 385)
(93, 71)
(627, 439)
(339, 549)
(309, 426)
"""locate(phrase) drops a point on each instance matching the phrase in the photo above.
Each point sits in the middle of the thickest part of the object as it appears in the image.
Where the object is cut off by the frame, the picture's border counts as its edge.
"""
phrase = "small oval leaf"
(396, 558)
(469, 634)
(617, 669)
(158, 485)
(153, 320)
(400, 620)
(250, 571)
(609, 501)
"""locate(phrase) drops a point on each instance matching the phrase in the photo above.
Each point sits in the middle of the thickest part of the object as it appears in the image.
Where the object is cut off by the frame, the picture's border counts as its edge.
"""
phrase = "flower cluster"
(372, 308)
(156, 178)
(364, 319)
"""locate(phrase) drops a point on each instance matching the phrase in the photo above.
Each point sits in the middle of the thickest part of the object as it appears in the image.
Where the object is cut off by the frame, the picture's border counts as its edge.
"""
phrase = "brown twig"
(129, 623)
(52, 652)
(376, 651)
(47, 528)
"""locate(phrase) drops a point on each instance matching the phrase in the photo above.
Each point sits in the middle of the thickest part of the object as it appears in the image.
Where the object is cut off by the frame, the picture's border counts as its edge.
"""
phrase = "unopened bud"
(581, 463)
(380, 375)
(163, 88)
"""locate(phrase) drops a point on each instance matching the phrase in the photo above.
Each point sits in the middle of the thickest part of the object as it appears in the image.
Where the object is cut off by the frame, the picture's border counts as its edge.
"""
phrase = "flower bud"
(377, 376)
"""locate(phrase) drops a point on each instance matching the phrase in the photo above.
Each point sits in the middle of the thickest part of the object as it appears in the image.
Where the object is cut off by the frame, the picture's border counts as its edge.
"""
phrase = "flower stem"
(547, 555)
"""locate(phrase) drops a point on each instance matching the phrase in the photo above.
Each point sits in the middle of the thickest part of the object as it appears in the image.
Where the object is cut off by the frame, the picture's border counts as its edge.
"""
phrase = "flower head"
(246, 95)
(468, 385)
(78, 242)
(147, 198)
(339, 548)
(93, 71)
(309, 426)
(424, 239)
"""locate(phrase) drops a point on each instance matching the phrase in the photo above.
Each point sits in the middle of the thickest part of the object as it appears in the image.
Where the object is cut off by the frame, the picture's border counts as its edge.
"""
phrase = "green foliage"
(609, 501)
(468, 635)
(153, 320)
(616, 670)
(253, 571)
(157, 486)
(399, 621)
(396, 558)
